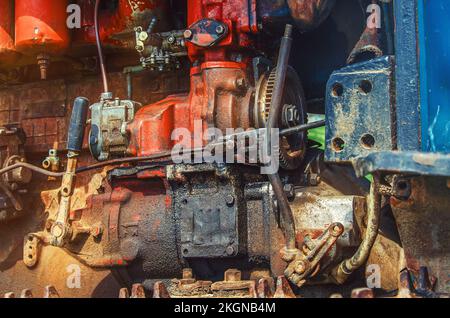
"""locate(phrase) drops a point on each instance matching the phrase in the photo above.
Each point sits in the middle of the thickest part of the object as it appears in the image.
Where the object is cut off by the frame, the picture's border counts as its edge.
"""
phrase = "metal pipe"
(99, 48)
(348, 266)
(272, 122)
(300, 128)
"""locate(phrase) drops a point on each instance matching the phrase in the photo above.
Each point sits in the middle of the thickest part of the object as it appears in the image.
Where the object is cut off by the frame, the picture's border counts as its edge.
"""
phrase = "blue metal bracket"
(359, 108)
(426, 164)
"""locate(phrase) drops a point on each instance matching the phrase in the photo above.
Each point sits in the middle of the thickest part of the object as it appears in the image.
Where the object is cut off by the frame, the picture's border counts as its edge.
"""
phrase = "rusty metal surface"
(27, 105)
(423, 222)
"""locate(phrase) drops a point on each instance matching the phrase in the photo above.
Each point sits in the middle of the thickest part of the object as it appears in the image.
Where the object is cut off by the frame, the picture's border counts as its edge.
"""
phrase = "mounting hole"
(338, 144)
(337, 90)
(185, 251)
(368, 141)
(365, 86)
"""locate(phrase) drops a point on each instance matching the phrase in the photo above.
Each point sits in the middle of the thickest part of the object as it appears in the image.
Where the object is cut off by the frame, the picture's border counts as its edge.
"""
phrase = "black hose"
(99, 48)
(272, 122)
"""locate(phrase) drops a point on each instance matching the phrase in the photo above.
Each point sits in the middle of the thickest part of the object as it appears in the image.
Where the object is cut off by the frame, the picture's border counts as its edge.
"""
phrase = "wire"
(32, 168)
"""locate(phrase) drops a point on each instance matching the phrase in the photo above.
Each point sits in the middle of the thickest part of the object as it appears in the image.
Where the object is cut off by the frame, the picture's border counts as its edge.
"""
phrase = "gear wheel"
(293, 147)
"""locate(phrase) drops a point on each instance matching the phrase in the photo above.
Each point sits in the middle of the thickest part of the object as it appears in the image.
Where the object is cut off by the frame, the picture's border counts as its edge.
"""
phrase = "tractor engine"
(179, 153)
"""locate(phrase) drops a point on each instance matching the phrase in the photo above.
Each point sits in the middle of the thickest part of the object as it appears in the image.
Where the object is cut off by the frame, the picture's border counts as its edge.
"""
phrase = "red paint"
(8, 53)
(238, 15)
(215, 98)
(128, 15)
(41, 26)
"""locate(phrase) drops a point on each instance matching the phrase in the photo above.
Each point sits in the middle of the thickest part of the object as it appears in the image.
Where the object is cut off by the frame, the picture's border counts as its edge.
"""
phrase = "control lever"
(60, 229)
(305, 263)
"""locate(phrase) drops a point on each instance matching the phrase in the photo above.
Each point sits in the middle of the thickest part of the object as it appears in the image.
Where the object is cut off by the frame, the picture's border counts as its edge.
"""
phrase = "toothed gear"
(293, 147)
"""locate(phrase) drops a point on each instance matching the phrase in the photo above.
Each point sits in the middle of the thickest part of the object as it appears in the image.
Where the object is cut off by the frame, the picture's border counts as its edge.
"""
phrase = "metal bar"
(300, 128)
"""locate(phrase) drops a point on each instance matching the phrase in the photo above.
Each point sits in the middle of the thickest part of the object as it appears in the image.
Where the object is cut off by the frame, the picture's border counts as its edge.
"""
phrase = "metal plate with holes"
(359, 108)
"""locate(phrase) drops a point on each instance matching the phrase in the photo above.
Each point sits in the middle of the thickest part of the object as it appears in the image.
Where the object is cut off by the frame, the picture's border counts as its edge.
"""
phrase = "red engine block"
(221, 88)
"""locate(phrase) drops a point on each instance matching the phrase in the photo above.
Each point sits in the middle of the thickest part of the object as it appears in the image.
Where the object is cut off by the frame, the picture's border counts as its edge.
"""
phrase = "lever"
(60, 229)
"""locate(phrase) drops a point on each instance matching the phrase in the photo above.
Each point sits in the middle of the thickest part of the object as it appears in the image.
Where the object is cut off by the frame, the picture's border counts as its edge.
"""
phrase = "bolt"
(337, 229)
(187, 273)
(171, 39)
(300, 268)
(230, 250)
(96, 231)
(220, 29)
(289, 189)
(57, 230)
(241, 83)
(230, 200)
(314, 179)
(187, 34)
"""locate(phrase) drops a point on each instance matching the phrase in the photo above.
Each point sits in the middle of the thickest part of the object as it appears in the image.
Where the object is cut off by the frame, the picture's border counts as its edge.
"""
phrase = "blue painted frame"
(407, 112)
(434, 56)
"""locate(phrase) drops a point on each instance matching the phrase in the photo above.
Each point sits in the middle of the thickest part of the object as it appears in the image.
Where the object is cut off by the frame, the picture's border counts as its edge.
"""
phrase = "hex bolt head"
(230, 200)
(171, 39)
(230, 250)
(220, 29)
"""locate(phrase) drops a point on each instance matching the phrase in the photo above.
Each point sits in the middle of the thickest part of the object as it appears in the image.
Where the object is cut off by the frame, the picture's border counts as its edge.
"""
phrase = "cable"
(99, 48)
(32, 168)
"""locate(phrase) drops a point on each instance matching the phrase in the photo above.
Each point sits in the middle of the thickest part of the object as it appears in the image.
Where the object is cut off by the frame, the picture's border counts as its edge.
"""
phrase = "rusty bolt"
(233, 275)
(96, 231)
(300, 268)
(187, 34)
(241, 83)
(187, 273)
(337, 229)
